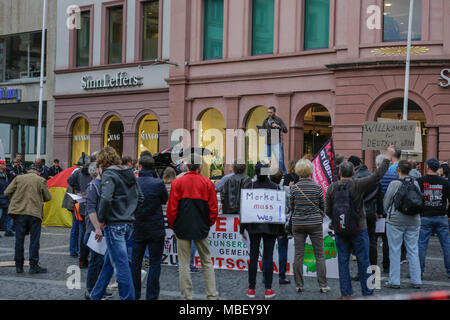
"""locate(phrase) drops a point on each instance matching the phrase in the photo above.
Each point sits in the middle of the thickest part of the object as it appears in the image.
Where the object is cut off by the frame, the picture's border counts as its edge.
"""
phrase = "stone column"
(432, 142)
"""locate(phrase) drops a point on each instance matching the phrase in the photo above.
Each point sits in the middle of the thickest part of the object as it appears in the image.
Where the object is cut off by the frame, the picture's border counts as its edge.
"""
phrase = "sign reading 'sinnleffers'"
(121, 79)
(380, 135)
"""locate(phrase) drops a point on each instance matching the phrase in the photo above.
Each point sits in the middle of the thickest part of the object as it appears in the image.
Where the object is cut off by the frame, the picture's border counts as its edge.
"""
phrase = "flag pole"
(408, 61)
(41, 86)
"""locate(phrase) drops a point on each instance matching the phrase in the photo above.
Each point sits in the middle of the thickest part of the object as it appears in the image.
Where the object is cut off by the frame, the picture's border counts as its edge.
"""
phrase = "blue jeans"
(75, 236)
(116, 261)
(440, 225)
(360, 245)
(94, 267)
(8, 220)
(193, 251)
(278, 153)
(396, 236)
(156, 248)
(282, 256)
(27, 224)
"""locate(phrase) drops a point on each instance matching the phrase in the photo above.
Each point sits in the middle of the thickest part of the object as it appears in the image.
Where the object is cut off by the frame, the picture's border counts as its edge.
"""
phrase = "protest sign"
(263, 206)
(229, 251)
(380, 135)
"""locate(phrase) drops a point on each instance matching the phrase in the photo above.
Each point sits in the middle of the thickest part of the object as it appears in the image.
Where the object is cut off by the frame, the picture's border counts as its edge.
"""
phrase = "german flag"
(54, 214)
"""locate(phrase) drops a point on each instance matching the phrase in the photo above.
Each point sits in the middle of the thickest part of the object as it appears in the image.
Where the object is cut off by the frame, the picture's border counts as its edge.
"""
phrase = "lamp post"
(41, 86)
(408, 61)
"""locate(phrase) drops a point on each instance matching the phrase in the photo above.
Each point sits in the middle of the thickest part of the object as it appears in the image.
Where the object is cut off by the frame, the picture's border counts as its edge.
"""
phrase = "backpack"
(345, 219)
(408, 199)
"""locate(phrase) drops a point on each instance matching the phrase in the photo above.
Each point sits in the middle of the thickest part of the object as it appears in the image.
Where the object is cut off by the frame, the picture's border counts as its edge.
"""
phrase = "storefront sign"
(149, 136)
(10, 94)
(445, 75)
(380, 135)
(81, 138)
(115, 137)
(109, 82)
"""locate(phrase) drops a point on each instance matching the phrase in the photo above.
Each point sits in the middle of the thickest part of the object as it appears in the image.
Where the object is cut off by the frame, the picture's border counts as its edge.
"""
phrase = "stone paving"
(232, 285)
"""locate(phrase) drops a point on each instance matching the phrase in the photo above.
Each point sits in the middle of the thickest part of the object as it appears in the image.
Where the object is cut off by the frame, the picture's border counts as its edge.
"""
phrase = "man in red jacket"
(191, 211)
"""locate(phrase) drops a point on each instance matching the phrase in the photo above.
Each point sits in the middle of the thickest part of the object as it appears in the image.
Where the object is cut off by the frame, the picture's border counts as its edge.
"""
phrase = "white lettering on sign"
(148, 136)
(114, 137)
(107, 82)
(263, 206)
(445, 74)
(81, 138)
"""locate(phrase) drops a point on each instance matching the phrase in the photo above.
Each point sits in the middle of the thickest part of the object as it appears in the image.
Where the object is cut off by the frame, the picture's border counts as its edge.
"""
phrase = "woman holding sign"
(267, 232)
(307, 203)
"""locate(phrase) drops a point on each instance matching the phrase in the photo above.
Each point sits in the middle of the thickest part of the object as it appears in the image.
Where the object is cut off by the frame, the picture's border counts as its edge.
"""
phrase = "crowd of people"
(125, 202)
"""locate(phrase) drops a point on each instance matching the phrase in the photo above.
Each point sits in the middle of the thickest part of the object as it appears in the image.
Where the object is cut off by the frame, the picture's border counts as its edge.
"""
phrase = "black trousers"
(27, 225)
(84, 250)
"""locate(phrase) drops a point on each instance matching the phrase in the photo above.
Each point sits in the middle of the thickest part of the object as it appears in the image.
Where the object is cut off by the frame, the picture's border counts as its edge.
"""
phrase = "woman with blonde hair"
(307, 205)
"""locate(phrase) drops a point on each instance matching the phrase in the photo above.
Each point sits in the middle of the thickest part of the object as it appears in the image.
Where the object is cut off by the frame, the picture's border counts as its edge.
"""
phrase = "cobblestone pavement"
(54, 255)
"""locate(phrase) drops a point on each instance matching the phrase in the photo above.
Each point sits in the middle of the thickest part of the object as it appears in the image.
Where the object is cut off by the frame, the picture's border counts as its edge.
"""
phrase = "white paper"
(99, 247)
(380, 226)
(263, 206)
(76, 197)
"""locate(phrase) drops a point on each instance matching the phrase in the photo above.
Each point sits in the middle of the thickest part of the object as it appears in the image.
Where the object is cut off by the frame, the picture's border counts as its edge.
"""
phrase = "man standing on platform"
(273, 122)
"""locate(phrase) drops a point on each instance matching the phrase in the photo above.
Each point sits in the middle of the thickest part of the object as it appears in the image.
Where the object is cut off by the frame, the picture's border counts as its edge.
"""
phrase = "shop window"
(262, 27)
(81, 138)
(20, 56)
(113, 136)
(213, 29)
(255, 144)
(317, 129)
(317, 24)
(28, 134)
(148, 139)
(212, 137)
(150, 29)
(5, 137)
(115, 34)
(396, 18)
(83, 39)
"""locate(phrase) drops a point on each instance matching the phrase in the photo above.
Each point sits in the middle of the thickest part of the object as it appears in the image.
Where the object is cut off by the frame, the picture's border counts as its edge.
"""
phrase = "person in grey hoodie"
(399, 228)
(120, 199)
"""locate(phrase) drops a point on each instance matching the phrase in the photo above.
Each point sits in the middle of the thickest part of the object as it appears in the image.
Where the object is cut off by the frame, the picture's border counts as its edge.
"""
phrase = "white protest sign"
(263, 206)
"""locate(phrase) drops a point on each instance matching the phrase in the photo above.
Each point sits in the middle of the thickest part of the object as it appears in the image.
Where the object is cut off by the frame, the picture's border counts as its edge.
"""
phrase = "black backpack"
(345, 219)
(408, 199)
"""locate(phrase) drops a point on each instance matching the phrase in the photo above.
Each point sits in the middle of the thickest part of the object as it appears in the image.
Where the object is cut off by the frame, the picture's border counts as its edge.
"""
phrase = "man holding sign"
(263, 216)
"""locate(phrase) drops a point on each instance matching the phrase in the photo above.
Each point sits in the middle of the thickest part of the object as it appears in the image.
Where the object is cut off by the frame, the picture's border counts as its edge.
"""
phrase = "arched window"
(148, 139)
(81, 139)
(113, 136)
(212, 137)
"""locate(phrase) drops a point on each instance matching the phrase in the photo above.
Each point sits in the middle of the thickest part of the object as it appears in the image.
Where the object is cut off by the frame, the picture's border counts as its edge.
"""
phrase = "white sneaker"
(113, 286)
(143, 274)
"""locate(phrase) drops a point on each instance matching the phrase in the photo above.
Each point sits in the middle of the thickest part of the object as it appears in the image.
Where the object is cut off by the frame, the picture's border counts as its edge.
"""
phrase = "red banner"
(324, 166)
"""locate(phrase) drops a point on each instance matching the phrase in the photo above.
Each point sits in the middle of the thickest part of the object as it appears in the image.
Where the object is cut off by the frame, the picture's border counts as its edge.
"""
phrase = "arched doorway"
(316, 129)
(81, 139)
(254, 144)
(113, 135)
(393, 111)
(212, 137)
(148, 135)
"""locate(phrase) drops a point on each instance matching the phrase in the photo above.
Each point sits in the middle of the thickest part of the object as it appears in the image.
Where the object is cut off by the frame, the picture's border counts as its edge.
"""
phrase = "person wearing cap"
(4, 201)
(27, 193)
(191, 212)
(434, 216)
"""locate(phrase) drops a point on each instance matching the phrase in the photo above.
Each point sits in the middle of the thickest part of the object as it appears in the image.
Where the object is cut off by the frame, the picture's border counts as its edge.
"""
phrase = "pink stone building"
(327, 65)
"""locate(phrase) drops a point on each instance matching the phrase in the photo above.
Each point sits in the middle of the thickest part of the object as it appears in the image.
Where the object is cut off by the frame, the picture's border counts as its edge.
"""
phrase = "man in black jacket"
(120, 199)
(231, 192)
(149, 231)
(55, 169)
(275, 143)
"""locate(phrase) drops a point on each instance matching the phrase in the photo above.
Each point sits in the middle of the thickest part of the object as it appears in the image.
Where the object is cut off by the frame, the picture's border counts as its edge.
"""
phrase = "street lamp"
(41, 86)
(408, 61)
